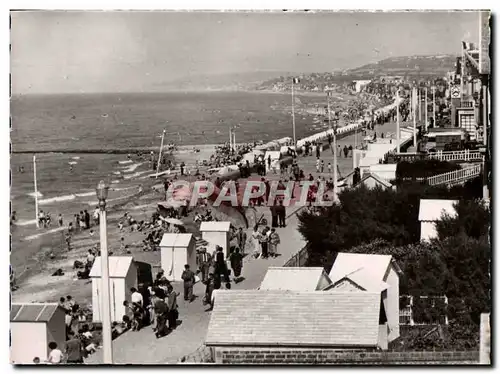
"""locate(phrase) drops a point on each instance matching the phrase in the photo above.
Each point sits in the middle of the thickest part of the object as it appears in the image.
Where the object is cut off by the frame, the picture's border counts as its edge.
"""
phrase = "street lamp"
(105, 301)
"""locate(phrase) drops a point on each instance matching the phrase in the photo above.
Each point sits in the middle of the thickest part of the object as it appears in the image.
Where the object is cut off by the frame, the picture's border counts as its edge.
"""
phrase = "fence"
(298, 259)
(455, 177)
(407, 311)
(465, 155)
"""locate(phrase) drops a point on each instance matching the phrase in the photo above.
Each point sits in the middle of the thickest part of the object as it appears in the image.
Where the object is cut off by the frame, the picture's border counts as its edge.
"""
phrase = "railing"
(455, 177)
(299, 259)
(465, 155)
(406, 313)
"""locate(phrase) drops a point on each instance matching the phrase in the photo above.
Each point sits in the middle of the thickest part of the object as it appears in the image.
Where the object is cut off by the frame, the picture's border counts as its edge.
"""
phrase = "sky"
(72, 52)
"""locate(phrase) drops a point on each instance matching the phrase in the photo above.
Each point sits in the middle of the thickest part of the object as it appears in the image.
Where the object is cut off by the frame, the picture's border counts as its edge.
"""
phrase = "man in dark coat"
(236, 260)
(161, 311)
(274, 215)
(204, 260)
(281, 212)
(241, 236)
(173, 313)
(188, 278)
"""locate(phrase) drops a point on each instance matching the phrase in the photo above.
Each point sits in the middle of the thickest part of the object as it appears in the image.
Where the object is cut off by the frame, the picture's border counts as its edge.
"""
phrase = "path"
(143, 348)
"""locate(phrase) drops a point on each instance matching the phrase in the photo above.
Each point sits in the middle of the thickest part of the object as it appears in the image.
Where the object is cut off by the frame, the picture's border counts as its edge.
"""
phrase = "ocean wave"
(38, 194)
(136, 174)
(131, 168)
(83, 194)
(26, 222)
(72, 163)
(35, 236)
(116, 181)
(95, 202)
(57, 199)
(75, 158)
(125, 162)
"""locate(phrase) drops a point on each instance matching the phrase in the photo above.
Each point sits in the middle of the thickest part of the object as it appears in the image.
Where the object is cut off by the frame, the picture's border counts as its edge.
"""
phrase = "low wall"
(243, 355)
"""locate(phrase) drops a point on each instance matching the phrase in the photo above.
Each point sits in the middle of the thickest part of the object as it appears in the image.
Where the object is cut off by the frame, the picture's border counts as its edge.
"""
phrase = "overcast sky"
(55, 52)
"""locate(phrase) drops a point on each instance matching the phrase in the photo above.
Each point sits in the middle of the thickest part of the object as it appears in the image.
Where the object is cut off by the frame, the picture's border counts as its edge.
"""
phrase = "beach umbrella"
(174, 221)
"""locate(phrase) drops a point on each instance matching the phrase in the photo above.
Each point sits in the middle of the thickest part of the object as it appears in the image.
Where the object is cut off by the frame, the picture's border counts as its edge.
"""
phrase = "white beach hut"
(177, 250)
(430, 212)
(122, 277)
(356, 272)
(216, 233)
(32, 328)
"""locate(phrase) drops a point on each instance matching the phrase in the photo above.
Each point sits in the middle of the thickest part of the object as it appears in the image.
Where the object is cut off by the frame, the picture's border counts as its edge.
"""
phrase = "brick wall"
(243, 355)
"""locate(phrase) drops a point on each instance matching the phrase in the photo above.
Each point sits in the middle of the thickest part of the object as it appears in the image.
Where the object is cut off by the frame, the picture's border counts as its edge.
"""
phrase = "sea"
(104, 122)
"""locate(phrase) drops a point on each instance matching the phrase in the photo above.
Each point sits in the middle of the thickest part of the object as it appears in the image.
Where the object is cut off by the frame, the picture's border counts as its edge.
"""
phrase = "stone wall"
(249, 355)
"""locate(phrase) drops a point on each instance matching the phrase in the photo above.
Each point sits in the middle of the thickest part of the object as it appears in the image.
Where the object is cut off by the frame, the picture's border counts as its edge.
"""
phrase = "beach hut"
(122, 276)
(32, 328)
(177, 250)
(356, 272)
(216, 233)
(430, 212)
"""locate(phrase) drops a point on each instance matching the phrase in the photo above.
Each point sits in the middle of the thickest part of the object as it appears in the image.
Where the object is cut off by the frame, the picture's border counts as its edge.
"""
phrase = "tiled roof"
(377, 178)
(118, 266)
(294, 278)
(32, 312)
(286, 318)
(215, 226)
(432, 210)
(175, 240)
(368, 271)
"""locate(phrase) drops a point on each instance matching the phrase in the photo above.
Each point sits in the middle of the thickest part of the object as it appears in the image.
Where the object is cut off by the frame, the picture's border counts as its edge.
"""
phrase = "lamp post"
(102, 194)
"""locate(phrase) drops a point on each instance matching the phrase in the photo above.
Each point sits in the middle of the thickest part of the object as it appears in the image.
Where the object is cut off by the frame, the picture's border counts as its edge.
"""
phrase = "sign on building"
(455, 92)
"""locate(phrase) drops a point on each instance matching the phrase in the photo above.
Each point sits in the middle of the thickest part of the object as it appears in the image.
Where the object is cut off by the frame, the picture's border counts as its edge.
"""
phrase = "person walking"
(274, 216)
(204, 260)
(161, 311)
(264, 243)
(274, 240)
(322, 166)
(60, 220)
(281, 214)
(329, 167)
(173, 312)
(74, 349)
(255, 240)
(188, 278)
(236, 260)
(318, 165)
(241, 237)
(207, 300)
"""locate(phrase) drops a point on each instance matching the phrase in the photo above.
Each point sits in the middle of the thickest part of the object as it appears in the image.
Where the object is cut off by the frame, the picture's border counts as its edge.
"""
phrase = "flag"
(296, 80)
(468, 46)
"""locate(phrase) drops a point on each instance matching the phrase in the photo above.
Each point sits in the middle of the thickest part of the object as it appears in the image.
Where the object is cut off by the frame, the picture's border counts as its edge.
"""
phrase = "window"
(468, 123)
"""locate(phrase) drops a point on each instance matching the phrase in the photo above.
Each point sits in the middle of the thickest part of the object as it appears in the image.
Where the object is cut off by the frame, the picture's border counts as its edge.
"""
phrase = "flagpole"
(434, 106)
(425, 109)
(159, 154)
(230, 138)
(414, 120)
(293, 116)
(398, 119)
(419, 96)
(36, 192)
(462, 72)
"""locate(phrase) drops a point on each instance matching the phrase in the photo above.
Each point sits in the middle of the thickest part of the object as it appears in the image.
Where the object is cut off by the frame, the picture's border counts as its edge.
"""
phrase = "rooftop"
(176, 240)
(118, 266)
(432, 210)
(32, 312)
(286, 318)
(294, 278)
(215, 226)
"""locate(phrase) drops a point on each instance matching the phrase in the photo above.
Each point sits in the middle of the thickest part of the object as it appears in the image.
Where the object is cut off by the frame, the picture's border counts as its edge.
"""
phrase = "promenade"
(143, 348)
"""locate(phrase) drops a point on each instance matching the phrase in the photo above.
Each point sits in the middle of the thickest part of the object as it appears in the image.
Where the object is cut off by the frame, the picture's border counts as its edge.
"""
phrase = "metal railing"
(299, 259)
(465, 155)
(455, 177)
